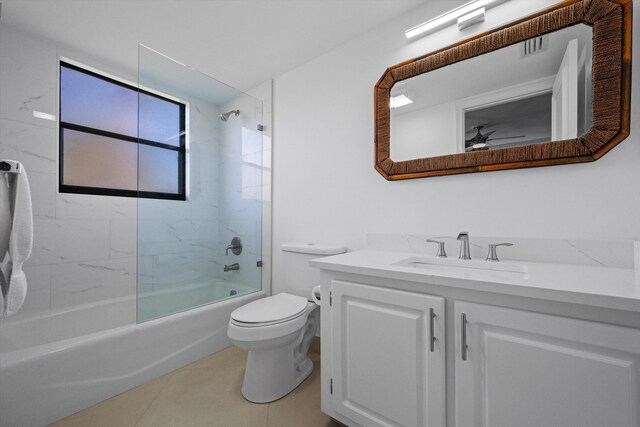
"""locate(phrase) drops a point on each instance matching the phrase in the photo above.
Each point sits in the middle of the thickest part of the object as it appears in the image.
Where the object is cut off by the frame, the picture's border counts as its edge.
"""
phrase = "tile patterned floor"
(206, 393)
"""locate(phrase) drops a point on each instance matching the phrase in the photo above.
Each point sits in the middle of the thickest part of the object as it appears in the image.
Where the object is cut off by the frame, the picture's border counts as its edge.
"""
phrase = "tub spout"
(232, 267)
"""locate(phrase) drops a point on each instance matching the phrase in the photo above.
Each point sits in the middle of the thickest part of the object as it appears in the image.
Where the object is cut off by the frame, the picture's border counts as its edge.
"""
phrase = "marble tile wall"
(178, 240)
(241, 168)
(84, 246)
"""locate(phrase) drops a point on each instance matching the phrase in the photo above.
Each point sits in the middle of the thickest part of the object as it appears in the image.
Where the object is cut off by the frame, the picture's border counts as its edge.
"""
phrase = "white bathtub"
(56, 364)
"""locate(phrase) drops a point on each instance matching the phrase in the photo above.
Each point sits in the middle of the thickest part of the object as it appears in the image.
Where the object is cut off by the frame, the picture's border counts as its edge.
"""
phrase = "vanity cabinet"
(527, 369)
(487, 366)
(388, 364)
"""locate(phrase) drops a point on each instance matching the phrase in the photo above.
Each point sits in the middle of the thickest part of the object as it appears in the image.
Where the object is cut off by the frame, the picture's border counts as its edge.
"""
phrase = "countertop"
(616, 288)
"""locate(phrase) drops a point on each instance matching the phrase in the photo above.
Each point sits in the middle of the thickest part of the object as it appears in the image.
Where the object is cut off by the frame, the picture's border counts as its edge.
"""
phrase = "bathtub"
(56, 364)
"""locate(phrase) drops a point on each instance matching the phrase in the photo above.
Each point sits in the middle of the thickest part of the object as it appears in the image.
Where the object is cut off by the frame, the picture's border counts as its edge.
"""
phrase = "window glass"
(93, 102)
(159, 120)
(159, 170)
(98, 161)
(117, 140)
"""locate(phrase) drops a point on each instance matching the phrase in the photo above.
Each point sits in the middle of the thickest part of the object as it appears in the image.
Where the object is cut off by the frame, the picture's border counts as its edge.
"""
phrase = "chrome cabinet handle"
(463, 334)
(492, 255)
(432, 336)
(442, 253)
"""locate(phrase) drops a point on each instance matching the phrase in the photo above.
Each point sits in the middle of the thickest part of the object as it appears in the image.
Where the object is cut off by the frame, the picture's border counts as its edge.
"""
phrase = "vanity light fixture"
(403, 98)
(469, 14)
(471, 18)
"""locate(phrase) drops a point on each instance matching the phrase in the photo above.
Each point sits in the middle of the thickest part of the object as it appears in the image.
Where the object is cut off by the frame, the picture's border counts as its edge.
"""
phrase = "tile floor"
(206, 393)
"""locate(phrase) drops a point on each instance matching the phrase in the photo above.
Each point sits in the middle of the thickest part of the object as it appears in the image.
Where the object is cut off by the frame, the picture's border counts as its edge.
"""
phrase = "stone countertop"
(607, 287)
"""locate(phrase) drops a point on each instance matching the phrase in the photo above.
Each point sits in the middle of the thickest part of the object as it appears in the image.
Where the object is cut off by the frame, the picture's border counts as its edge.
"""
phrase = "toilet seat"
(270, 311)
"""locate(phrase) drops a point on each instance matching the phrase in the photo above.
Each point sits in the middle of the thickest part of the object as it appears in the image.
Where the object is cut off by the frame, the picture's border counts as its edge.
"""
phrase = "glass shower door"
(200, 189)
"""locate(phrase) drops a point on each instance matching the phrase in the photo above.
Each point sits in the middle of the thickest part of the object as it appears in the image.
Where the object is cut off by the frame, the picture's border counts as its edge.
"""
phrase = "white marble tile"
(43, 193)
(160, 230)
(60, 241)
(33, 146)
(206, 230)
(163, 248)
(91, 281)
(176, 268)
(83, 206)
(38, 291)
(35, 57)
(205, 211)
(22, 95)
(124, 238)
(163, 209)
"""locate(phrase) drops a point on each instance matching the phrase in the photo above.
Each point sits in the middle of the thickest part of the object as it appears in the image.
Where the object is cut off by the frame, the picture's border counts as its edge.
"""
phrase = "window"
(118, 140)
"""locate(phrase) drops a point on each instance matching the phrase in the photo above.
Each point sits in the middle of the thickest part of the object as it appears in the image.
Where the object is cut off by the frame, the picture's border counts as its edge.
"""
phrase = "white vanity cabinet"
(554, 345)
(528, 369)
(387, 356)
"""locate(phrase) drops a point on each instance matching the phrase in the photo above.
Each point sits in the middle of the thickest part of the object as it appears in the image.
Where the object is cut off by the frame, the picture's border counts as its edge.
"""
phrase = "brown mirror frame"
(611, 75)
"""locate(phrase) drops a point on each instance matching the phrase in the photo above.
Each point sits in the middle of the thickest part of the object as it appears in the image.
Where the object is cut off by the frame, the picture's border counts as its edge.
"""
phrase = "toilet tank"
(299, 278)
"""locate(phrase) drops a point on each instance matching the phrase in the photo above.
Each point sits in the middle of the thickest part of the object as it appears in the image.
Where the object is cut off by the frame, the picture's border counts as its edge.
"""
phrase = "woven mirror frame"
(611, 21)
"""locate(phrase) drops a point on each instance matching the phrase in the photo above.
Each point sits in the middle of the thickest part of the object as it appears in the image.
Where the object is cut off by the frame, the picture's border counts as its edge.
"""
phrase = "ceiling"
(240, 42)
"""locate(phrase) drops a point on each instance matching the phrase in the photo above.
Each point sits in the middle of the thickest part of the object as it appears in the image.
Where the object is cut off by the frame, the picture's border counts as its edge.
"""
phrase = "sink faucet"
(464, 245)
(232, 267)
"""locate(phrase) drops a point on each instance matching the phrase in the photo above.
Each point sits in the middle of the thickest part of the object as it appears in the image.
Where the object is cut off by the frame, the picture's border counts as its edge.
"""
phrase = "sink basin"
(462, 265)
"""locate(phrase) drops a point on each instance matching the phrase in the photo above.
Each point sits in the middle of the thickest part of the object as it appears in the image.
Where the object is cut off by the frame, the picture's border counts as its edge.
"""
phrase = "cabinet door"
(534, 370)
(385, 370)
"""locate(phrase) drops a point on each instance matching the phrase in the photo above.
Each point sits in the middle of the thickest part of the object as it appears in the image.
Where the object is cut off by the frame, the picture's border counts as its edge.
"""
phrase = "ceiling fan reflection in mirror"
(480, 142)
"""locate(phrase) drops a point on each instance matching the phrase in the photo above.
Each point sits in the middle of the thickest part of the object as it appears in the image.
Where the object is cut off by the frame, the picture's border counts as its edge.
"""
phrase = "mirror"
(538, 90)
(532, 93)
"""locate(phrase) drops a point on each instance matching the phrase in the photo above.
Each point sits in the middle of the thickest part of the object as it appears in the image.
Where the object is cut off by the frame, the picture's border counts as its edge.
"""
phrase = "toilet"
(278, 330)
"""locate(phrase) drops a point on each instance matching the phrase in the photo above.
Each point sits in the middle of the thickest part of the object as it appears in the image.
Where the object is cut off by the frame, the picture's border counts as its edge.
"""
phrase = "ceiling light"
(452, 15)
(400, 100)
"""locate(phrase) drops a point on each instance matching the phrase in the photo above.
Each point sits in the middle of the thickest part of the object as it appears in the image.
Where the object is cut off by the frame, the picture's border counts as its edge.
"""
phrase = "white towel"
(5, 232)
(14, 289)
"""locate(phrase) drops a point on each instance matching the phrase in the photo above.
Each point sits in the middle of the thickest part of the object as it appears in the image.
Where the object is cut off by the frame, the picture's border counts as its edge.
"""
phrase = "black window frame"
(100, 191)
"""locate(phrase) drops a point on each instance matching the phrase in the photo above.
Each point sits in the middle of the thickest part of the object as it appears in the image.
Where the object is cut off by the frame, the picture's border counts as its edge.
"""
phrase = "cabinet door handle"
(463, 335)
(432, 337)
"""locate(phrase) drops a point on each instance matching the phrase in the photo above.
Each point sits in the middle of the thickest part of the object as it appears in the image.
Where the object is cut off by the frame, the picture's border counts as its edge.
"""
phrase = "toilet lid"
(270, 309)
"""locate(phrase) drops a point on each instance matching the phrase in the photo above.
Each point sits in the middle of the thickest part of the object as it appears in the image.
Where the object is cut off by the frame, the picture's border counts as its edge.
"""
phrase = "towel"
(5, 232)
(14, 286)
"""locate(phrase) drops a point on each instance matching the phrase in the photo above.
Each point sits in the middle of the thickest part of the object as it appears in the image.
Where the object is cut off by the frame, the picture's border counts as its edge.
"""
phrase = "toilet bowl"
(278, 341)
(277, 330)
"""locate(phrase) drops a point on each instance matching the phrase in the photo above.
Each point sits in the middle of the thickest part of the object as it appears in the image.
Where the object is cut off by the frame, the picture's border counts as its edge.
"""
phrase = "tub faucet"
(232, 267)
(235, 247)
(464, 245)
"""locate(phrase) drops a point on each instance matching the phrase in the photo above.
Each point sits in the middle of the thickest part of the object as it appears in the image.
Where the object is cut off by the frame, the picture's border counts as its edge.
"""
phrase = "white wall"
(326, 189)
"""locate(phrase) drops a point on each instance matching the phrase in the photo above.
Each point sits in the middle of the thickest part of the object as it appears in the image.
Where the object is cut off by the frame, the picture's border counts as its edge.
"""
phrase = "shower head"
(225, 116)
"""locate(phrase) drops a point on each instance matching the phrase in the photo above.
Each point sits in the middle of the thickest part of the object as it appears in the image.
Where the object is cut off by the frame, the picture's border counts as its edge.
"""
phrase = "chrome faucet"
(442, 253)
(232, 267)
(492, 255)
(465, 253)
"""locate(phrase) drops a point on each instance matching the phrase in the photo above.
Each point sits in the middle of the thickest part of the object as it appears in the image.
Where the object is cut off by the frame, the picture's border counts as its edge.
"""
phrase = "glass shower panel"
(186, 257)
